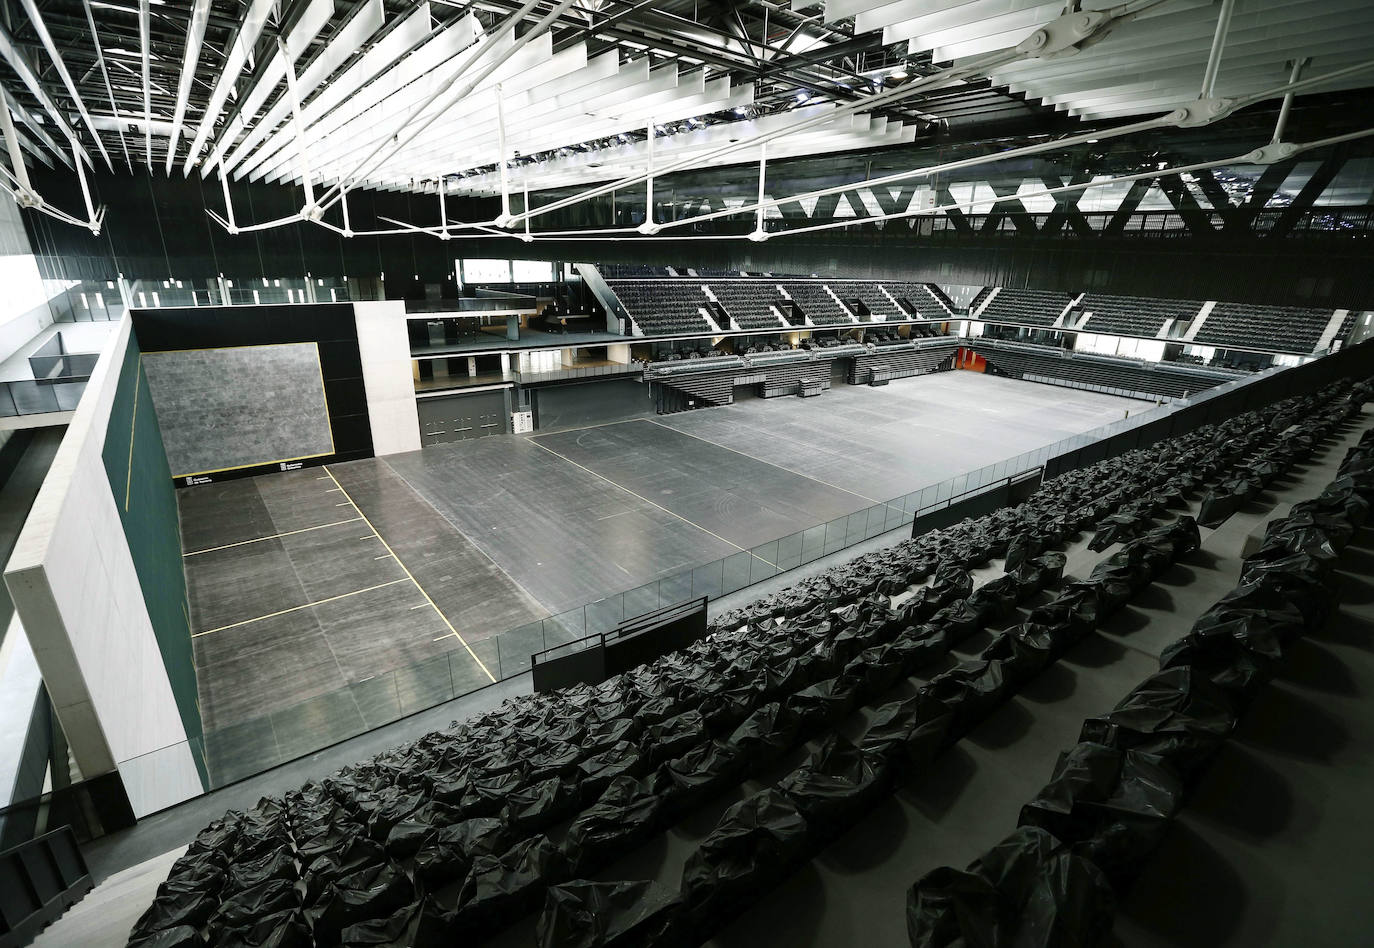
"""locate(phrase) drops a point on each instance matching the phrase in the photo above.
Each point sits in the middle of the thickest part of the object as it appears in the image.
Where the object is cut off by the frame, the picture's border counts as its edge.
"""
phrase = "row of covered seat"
(1292, 329)
(662, 307)
(454, 835)
(1083, 839)
(662, 304)
(1133, 315)
(1028, 307)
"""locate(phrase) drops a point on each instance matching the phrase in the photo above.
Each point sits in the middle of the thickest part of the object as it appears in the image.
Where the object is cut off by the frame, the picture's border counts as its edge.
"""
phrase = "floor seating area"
(805, 706)
(1028, 307)
(1290, 329)
(1132, 378)
(1133, 315)
(817, 304)
(749, 302)
(1081, 842)
(661, 307)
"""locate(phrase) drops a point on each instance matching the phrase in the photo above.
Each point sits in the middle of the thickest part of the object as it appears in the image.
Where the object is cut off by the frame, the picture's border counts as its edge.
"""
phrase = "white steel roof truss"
(330, 110)
(355, 128)
(249, 30)
(537, 137)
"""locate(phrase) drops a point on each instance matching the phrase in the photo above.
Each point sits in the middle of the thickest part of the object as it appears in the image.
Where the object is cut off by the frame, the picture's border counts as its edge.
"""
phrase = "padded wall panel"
(221, 409)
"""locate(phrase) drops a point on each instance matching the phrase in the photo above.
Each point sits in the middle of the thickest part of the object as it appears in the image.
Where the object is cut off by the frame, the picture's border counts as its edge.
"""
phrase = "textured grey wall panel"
(227, 408)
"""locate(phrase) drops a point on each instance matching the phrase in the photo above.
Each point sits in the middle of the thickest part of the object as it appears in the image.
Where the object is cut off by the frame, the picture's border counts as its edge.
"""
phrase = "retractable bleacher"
(1129, 377)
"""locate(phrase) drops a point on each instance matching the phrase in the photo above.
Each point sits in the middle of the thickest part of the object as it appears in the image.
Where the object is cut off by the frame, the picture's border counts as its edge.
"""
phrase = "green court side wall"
(142, 486)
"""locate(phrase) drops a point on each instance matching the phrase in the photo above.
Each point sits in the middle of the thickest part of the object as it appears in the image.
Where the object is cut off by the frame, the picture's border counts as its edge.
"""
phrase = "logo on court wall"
(290, 465)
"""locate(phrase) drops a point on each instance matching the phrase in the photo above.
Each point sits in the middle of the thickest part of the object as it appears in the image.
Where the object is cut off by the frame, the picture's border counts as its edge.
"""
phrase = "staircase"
(1198, 320)
(1329, 333)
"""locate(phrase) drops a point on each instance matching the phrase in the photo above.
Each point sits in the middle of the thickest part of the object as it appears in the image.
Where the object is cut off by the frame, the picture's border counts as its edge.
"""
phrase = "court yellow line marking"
(133, 421)
(288, 533)
(716, 444)
(304, 605)
(240, 467)
(439, 612)
(652, 504)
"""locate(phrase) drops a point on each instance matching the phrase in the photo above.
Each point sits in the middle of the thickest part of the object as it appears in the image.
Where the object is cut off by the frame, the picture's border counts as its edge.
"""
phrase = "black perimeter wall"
(330, 325)
(158, 228)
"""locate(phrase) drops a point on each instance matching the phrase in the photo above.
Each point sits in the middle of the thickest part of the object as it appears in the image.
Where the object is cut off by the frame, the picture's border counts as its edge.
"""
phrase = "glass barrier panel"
(895, 518)
(877, 521)
(641, 599)
(675, 589)
(763, 562)
(377, 699)
(736, 573)
(829, 538)
(485, 653)
(241, 750)
(68, 394)
(425, 684)
(515, 647)
(790, 551)
(604, 614)
(706, 580)
(855, 528)
(835, 532)
(30, 398)
(813, 543)
(317, 722)
(564, 627)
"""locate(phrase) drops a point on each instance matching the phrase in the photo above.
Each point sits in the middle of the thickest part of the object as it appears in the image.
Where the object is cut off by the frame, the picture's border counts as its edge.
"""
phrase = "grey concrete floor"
(328, 600)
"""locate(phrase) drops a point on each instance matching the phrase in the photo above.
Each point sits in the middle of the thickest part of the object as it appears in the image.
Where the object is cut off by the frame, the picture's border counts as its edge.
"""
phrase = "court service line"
(288, 533)
(304, 605)
(439, 612)
(717, 444)
(670, 513)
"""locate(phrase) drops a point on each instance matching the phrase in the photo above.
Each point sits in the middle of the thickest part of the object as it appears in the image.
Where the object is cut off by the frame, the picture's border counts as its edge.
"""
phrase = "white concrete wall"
(385, 350)
(74, 586)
